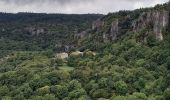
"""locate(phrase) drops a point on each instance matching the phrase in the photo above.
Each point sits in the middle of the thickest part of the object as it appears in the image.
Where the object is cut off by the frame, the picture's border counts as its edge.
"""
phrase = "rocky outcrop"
(69, 47)
(155, 20)
(114, 31)
(85, 53)
(90, 53)
(82, 34)
(96, 25)
(161, 21)
(35, 31)
(77, 53)
(61, 55)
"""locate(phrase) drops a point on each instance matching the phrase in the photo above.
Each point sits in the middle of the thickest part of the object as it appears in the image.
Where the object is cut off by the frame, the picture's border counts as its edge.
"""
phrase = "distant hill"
(31, 31)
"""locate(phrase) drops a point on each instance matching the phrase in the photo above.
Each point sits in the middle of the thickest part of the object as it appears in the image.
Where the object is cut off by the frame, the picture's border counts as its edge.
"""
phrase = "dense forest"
(37, 32)
(120, 56)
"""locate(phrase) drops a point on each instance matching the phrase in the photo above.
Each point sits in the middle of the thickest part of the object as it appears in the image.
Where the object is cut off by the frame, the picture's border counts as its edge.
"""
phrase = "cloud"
(148, 3)
(74, 6)
(28, 2)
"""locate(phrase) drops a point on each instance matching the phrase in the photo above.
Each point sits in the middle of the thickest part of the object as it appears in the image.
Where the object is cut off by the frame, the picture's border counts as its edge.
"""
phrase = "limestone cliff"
(82, 34)
(96, 25)
(34, 30)
(114, 31)
(154, 20)
(115, 26)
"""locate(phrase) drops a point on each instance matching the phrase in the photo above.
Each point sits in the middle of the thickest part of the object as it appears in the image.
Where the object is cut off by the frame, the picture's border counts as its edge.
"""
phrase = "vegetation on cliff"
(116, 62)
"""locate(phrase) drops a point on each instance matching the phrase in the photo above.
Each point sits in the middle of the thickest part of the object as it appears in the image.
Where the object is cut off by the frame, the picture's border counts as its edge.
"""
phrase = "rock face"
(114, 31)
(34, 31)
(161, 21)
(155, 20)
(82, 34)
(69, 47)
(97, 24)
(61, 55)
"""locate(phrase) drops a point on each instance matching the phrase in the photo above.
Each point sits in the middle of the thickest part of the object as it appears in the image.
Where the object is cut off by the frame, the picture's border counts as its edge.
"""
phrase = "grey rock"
(114, 31)
(35, 31)
(61, 55)
(156, 20)
(96, 25)
(82, 34)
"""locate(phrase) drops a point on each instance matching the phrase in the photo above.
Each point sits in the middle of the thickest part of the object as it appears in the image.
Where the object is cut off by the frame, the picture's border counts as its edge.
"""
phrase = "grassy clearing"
(66, 68)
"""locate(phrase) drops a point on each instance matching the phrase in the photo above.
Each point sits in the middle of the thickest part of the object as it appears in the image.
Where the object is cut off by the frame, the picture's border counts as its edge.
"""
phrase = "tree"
(73, 85)
(140, 84)
(50, 97)
(38, 98)
(27, 91)
(119, 98)
(42, 91)
(121, 87)
(137, 96)
(167, 94)
(75, 94)
(6, 98)
(20, 96)
(101, 93)
(103, 82)
(4, 90)
(168, 63)
(151, 40)
(59, 91)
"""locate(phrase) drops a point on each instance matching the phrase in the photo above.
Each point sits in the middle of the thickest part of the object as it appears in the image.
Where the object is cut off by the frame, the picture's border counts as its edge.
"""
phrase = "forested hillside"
(120, 56)
(37, 32)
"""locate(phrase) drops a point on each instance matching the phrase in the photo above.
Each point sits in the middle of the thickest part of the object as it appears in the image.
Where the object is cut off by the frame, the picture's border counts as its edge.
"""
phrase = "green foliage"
(101, 93)
(77, 93)
(121, 87)
(4, 90)
(125, 69)
(59, 91)
(137, 96)
(168, 63)
(44, 90)
(151, 40)
(167, 94)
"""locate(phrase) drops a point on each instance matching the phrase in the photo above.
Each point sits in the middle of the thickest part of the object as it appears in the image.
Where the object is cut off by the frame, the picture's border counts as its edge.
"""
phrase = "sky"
(74, 6)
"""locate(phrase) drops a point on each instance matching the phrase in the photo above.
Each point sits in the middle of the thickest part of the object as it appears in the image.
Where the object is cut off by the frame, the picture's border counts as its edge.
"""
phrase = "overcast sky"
(74, 6)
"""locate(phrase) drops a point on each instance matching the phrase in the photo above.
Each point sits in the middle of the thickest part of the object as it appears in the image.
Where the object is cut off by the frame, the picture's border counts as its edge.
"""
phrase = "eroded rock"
(61, 55)
(82, 34)
(114, 31)
(77, 53)
(90, 53)
(96, 25)
(152, 20)
(34, 31)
